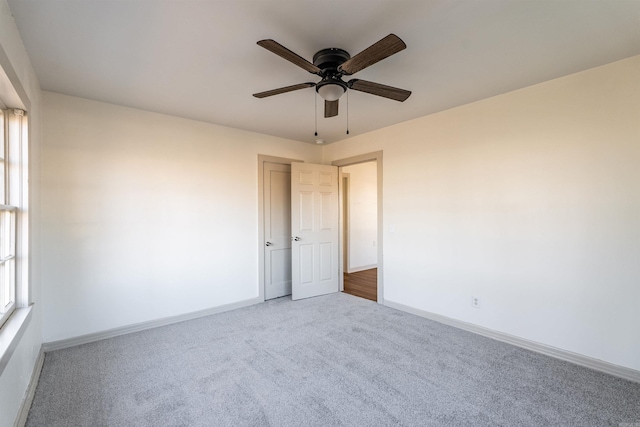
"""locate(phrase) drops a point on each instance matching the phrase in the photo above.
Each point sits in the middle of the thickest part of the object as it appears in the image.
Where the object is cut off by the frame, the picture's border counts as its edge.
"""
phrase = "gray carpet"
(335, 360)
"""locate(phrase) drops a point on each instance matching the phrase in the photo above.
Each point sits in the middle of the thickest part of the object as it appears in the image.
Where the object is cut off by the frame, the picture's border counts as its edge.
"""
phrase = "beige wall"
(146, 216)
(528, 200)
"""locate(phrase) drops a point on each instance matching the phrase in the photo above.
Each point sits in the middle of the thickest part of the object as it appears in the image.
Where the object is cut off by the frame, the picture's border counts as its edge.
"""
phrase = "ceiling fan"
(332, 64)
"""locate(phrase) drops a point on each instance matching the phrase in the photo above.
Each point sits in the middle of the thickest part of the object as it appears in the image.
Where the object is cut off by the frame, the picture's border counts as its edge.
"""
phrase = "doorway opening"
(361, 232)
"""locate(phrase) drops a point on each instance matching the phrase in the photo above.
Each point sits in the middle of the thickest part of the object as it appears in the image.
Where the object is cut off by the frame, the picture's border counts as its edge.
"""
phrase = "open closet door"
(314, 230)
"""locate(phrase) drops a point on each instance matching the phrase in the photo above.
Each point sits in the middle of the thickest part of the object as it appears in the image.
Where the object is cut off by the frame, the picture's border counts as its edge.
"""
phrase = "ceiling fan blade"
(283, 90)
(379, 89)
(331, 108)
(376, 52)
(278, 49)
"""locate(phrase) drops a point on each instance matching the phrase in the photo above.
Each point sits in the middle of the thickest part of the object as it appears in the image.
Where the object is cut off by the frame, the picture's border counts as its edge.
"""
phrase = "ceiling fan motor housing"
(330, 59)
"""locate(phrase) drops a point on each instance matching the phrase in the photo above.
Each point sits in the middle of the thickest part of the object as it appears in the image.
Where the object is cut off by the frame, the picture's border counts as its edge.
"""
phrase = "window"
(12, 134)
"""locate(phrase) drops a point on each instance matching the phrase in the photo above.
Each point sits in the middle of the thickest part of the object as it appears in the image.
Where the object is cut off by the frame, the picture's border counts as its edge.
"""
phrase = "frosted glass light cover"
(331, 92)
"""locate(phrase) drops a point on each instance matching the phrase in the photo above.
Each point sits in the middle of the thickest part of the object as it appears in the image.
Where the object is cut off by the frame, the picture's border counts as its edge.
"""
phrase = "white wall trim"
(25, 405)
(137, 327)
(578, 359)
(345, 186)
(362, 268)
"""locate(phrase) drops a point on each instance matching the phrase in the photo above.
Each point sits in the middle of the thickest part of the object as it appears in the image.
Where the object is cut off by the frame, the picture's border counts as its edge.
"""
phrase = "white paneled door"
(277, 230)
(314, 230)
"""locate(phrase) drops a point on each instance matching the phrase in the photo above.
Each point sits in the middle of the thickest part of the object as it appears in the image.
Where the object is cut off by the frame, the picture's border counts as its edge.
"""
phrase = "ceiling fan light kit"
(330, 91)
(332, 64)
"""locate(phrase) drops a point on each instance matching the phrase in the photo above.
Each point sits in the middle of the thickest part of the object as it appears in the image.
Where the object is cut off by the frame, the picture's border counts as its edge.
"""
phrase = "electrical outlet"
(475, 302)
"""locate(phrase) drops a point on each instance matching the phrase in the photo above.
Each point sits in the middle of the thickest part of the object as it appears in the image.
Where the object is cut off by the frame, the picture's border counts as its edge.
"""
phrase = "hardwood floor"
(363, 284)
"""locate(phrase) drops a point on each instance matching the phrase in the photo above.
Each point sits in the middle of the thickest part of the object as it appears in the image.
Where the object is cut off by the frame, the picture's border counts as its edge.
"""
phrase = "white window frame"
(14, 99)
(13, 143)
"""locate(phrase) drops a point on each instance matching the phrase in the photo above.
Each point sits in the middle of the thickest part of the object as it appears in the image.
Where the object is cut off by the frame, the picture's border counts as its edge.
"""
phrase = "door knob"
(269, 244)
(297, 239)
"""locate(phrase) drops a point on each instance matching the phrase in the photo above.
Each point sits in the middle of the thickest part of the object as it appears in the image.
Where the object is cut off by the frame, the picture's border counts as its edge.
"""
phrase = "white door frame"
(261, 242)
(344, 195)
(363, 158)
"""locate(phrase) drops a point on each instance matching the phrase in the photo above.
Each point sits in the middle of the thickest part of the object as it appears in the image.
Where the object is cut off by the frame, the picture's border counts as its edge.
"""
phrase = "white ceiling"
(200, 60)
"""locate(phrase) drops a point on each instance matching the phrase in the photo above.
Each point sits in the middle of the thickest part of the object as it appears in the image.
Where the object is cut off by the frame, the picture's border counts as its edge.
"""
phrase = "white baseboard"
(110, 333)
(21, 420)
(578, 359)
(363, 268)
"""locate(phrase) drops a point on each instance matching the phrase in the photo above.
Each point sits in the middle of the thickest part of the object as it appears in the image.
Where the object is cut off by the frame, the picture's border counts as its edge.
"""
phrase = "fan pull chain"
(347, 112)
(315, 102)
